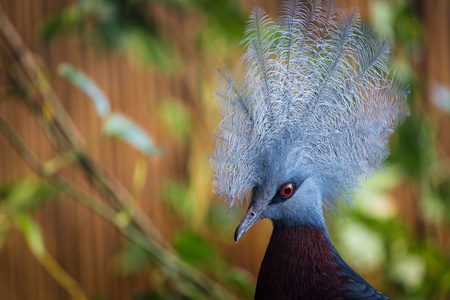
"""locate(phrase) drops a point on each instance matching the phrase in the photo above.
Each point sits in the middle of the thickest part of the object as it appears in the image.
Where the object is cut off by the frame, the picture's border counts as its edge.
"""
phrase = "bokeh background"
(106, 116)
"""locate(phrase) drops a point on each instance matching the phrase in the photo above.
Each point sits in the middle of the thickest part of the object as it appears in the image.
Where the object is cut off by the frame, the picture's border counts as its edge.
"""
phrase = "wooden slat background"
(83, 243)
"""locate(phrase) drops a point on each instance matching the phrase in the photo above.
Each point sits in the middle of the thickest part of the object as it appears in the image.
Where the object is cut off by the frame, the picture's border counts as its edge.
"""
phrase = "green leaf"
(175, 194)
(32, 234)
(153, 50)
(25, 195)
(414, 147)
(196, 250)
(117, 125)
(131, 259)
(87, 86)
(176, 117)
(62, 23)
(226, 19)
(242, 280)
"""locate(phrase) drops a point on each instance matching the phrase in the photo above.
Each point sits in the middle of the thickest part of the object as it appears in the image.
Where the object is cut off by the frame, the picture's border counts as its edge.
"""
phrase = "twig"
(60, 130)
(44, 103)
(169, 261)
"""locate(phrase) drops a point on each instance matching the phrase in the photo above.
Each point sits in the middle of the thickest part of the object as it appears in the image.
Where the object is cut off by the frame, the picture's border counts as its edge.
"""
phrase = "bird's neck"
(300, 261)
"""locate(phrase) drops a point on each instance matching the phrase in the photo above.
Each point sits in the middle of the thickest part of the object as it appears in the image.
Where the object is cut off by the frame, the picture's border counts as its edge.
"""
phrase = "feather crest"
(315, 86)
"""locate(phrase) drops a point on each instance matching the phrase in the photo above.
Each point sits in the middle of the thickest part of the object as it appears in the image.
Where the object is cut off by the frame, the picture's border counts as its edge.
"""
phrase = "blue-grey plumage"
(307, 114)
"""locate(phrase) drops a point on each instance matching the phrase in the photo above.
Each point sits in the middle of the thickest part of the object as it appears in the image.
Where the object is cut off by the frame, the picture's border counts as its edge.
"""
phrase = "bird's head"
(287, 201)
(307, 114)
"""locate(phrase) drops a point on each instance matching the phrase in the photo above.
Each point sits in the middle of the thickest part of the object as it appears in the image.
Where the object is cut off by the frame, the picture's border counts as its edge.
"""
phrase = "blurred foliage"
(24, 195)
(17, 200)
(200, 252)
(197, 251)
(374, 239)
(114, 25)
(414, 148)
(197, 247)
(135, 27)
(174, 114)
(87, 86)
(175, 193)
(131, 259)
(192, 247)
(442, 97)
(32, 234)
(117, 125)
(114, 124)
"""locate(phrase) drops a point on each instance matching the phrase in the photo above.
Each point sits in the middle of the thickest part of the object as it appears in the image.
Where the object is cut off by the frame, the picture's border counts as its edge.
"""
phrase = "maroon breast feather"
(300, 264)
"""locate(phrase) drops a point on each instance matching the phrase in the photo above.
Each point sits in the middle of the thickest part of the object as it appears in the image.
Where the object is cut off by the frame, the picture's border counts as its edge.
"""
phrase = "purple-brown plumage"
(300, 262)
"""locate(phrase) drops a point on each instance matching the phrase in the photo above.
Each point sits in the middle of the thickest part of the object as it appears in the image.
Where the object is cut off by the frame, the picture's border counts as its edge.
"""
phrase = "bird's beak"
(253, 215)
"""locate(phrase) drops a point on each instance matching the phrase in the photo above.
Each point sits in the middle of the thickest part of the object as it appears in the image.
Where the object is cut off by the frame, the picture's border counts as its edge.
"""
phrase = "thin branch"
(169, 261)
(45, 105)
(18, 144)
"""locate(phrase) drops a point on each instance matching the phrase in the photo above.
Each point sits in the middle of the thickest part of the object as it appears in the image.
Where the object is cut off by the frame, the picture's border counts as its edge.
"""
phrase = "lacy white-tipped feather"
(314, 88)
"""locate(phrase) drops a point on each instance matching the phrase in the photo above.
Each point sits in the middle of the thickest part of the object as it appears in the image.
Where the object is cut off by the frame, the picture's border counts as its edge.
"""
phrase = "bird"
(307, 114)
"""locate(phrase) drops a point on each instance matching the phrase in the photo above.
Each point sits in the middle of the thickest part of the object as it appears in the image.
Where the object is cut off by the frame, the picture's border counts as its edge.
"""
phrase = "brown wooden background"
(83, 243)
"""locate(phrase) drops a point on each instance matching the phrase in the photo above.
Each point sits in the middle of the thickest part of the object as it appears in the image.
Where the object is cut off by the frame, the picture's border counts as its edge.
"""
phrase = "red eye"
(288, 190)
